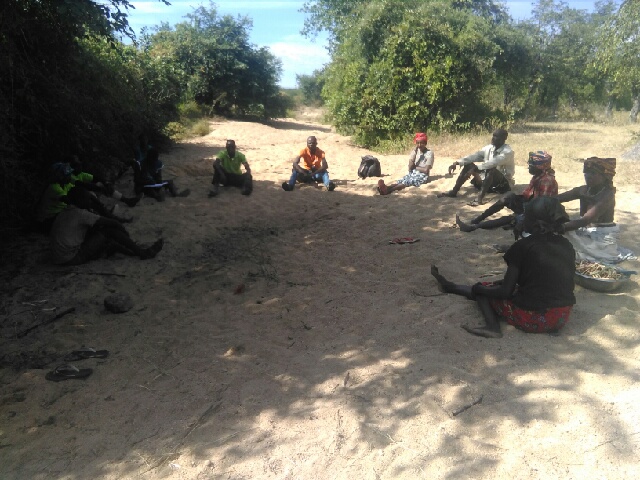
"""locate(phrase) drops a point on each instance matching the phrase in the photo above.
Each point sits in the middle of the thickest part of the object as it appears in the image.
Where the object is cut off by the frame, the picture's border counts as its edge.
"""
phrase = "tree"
(566, 41)
(407, 65)
(217, 65)
(311, 87)
(619, 53)
(65, 87)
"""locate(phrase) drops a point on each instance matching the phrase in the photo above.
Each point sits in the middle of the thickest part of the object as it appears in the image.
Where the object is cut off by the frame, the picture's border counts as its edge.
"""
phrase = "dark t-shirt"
(547, 265)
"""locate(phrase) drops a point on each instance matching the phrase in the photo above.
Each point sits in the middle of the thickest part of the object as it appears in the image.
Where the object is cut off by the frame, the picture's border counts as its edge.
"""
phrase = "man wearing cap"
(226, 170)
(543, 183)
(595, 235)
(420, 164)
(313, 169)
(492, 169)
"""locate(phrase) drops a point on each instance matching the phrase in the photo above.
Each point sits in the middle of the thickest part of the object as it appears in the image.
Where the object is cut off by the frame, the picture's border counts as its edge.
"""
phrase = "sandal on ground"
(86, 352)
(67, 372)
(400, 241)
(475, 203)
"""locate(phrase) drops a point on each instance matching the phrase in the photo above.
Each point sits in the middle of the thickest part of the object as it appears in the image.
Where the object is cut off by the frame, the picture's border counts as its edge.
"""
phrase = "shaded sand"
(281, 336)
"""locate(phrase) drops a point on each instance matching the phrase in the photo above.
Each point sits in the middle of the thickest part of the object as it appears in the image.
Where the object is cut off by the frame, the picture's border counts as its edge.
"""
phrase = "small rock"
(118, 303)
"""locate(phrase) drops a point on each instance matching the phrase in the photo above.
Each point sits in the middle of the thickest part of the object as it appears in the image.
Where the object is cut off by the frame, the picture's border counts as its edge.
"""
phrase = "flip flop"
(86, 352)
(475, 203)
(400, 241)
(68, 371)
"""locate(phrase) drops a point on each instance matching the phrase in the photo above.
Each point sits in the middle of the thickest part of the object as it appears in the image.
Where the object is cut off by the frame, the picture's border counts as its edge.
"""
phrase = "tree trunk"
(608, 111)
(633, 114)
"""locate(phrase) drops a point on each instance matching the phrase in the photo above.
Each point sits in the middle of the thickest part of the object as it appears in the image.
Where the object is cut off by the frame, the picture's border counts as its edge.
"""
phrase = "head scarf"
(604, 166)
(546, 214)
(540, 159)
(420, 137)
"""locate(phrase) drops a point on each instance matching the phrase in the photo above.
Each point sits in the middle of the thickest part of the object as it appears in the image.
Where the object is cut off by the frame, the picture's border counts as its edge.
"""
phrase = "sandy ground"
(281, 336)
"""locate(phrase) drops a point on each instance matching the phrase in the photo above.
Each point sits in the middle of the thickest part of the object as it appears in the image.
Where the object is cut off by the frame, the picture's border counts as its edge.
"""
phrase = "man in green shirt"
(226, 170)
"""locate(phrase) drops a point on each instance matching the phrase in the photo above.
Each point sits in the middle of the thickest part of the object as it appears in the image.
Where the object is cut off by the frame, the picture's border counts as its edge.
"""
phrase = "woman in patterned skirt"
(536, 294)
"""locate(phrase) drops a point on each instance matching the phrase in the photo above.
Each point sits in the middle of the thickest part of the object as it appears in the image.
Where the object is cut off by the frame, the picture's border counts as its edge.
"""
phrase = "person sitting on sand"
(536, 294)
(420, 163)
(226, 170)
(54, 200)
(314, 168)
(543, 183)
(89, 182)
(494, 174)
(595, 235)
(79, 235)
(148, 177)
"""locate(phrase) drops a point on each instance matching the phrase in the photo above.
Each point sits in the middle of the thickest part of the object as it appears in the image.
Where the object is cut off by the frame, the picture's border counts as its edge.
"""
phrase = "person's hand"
(452, 168)
(518, 228)
(306, 177)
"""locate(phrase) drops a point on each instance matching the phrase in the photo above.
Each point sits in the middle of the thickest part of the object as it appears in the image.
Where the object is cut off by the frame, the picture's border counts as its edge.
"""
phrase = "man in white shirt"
(492, 169)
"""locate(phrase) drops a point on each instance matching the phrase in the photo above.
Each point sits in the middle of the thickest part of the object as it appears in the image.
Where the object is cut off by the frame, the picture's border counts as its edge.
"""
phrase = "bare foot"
(443, 284)
(483, 332)
(463, 226)
(382, 188)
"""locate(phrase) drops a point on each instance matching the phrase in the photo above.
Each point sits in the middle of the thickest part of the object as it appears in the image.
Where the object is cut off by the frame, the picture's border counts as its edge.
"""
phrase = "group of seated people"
(80, 226)
(536, 294)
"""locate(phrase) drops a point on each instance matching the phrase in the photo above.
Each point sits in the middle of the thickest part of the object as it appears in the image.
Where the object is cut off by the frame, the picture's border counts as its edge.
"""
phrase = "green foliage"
(619, 54)
(311, 87)
(563, 77)
(217, 67)
(66, 87)
(409, 66)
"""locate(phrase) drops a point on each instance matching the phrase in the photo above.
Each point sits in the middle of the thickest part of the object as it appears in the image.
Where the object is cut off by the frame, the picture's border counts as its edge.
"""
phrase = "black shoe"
(286, 187)
(331, 187)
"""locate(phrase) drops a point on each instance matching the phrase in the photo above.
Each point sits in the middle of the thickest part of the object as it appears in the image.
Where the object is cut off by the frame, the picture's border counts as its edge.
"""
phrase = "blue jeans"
(318, 177)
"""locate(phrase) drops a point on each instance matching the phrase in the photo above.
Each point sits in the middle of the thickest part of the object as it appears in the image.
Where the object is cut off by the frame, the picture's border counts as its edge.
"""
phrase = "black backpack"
(369, 167)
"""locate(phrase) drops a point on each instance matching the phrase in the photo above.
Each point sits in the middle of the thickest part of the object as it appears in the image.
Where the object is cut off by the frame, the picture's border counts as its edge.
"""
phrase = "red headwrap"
(420, 137)
(540, 159)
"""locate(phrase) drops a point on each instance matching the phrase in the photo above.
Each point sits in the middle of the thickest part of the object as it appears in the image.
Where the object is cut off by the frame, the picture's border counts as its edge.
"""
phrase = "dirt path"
(281, 336)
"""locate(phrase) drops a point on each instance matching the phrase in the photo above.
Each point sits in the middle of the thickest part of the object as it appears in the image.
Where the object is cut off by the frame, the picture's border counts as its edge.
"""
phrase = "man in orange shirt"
(313, 169)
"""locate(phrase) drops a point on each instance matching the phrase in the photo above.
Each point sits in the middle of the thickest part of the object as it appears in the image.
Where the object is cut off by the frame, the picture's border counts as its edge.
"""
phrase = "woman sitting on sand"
(536, 294)
(595, 235)
(420, 163)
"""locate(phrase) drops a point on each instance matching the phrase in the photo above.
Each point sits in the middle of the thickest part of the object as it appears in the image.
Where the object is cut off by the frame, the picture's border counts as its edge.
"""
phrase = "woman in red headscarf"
(420, 163)
(595, 235)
